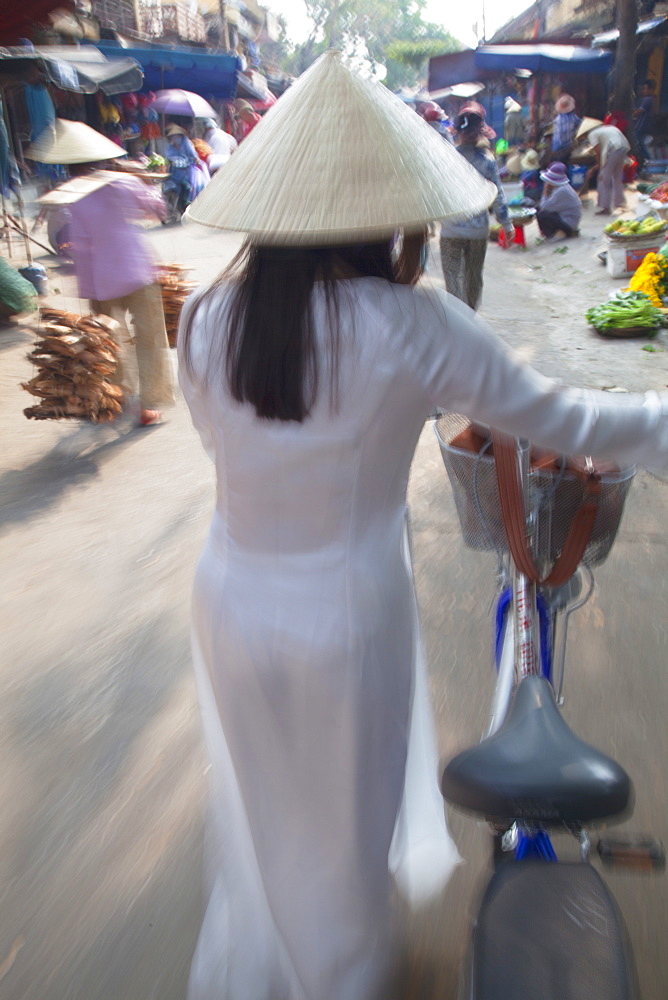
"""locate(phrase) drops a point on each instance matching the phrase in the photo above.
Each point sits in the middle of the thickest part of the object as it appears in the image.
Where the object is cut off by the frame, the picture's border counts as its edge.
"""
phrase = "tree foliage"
(416, 53)
(381, 33)
(277, 53)
(414, 56)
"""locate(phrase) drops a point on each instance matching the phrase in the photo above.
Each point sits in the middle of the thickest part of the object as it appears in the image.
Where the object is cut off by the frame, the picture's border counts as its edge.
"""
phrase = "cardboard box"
(626, 255)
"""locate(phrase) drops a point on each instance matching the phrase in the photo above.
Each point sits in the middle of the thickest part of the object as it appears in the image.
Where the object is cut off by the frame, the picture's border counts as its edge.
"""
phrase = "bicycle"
(545, 928)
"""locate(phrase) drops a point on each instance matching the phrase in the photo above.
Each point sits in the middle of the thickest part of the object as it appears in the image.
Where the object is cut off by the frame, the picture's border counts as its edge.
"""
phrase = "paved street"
(103, 774)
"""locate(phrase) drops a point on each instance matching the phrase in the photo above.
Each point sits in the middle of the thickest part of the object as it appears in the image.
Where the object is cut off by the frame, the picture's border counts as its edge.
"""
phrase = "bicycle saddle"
(535, 767)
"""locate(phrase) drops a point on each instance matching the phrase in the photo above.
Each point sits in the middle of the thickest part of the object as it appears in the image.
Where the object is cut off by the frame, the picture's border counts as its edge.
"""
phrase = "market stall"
(205, 73)
(539, 71)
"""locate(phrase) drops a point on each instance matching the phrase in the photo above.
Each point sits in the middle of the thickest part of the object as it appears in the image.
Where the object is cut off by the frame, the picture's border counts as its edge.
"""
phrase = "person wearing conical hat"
(182, 158)
(514, 126)
(514, 164)
(464, 242)
(309, 368)
(565, 125)
(530, 178)
(113, 262)
(611, 148)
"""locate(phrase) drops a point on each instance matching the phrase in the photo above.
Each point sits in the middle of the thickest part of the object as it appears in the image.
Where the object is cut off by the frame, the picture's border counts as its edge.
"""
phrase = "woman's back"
(297, 487)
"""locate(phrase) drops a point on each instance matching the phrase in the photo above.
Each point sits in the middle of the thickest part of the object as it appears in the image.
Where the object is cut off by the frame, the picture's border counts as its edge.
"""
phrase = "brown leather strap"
(514, 517)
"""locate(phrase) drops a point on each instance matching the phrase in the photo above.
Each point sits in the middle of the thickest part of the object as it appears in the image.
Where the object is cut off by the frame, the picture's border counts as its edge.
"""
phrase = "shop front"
(533, 74)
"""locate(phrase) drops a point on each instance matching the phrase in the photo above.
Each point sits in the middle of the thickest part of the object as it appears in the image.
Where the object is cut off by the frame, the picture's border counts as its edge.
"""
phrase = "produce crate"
(625, 254)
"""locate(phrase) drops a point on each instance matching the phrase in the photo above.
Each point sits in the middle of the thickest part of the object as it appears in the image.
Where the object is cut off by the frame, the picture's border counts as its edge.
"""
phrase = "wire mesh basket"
(553, 500)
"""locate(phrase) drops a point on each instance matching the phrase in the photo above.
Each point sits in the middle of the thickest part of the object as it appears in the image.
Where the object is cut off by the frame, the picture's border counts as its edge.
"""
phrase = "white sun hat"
(72, 142)
(339, 159)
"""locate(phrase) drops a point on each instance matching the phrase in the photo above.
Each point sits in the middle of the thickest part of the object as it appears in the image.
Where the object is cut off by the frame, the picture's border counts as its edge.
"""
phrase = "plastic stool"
(519, 237)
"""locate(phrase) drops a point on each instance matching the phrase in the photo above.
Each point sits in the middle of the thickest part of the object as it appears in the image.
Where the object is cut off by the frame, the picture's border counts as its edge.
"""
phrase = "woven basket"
(552, 502)
(621, 333)
(637, 237)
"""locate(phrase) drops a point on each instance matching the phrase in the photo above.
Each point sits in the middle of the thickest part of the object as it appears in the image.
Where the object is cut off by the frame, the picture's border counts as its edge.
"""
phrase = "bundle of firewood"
(175, 291)
(76, 358)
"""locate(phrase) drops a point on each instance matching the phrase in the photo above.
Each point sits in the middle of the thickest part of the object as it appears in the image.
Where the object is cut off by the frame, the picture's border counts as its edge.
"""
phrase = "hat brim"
(586, 126)
(307, 174)
(79, 188)
(551, 180)
(71, 143)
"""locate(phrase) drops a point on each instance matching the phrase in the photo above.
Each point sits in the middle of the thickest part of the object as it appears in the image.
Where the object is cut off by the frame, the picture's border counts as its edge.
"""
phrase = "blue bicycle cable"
(535, 845)
(545, 628)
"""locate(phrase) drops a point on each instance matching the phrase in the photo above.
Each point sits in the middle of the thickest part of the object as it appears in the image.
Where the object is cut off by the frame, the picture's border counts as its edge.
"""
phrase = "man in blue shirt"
(565, 126)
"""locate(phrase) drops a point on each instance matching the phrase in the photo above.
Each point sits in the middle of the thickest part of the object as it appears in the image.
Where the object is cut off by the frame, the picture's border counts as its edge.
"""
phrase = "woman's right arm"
(468, 369)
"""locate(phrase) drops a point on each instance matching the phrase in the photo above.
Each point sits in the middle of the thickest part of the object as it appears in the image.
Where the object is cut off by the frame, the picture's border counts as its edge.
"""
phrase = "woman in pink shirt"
(113, 262)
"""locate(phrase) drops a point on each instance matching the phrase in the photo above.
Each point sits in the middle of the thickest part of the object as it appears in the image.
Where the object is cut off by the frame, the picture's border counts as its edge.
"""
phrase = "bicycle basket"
(553, 499)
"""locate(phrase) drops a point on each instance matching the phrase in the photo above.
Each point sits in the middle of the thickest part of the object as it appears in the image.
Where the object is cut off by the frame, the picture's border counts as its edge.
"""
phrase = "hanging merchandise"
(9, 173)
(150, 129)
(109, 113)
(149, 120)
(41, 111)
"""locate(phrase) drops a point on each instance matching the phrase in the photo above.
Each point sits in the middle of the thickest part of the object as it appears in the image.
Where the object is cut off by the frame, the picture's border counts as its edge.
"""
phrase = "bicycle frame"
(543, 929)
(530, 622)
(524, 646)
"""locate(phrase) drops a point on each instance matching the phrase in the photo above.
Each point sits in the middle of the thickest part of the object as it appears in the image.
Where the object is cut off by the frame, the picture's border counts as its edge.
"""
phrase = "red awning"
(18, 19)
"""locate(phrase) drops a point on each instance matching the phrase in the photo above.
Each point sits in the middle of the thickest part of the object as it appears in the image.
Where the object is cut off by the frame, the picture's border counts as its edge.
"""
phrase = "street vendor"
(611, 148)
(560, 209)
(113, 262)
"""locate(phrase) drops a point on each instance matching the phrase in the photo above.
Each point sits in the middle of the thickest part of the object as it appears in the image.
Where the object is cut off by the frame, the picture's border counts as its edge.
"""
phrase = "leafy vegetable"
(624, 311)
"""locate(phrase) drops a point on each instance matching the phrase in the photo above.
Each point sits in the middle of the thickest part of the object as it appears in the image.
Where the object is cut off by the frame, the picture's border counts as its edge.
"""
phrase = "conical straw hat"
(586, 125)
(72, 142)
(339, 159)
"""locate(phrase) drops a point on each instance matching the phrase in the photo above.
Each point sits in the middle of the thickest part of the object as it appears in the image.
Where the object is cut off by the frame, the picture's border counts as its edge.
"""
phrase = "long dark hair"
(270, 358)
